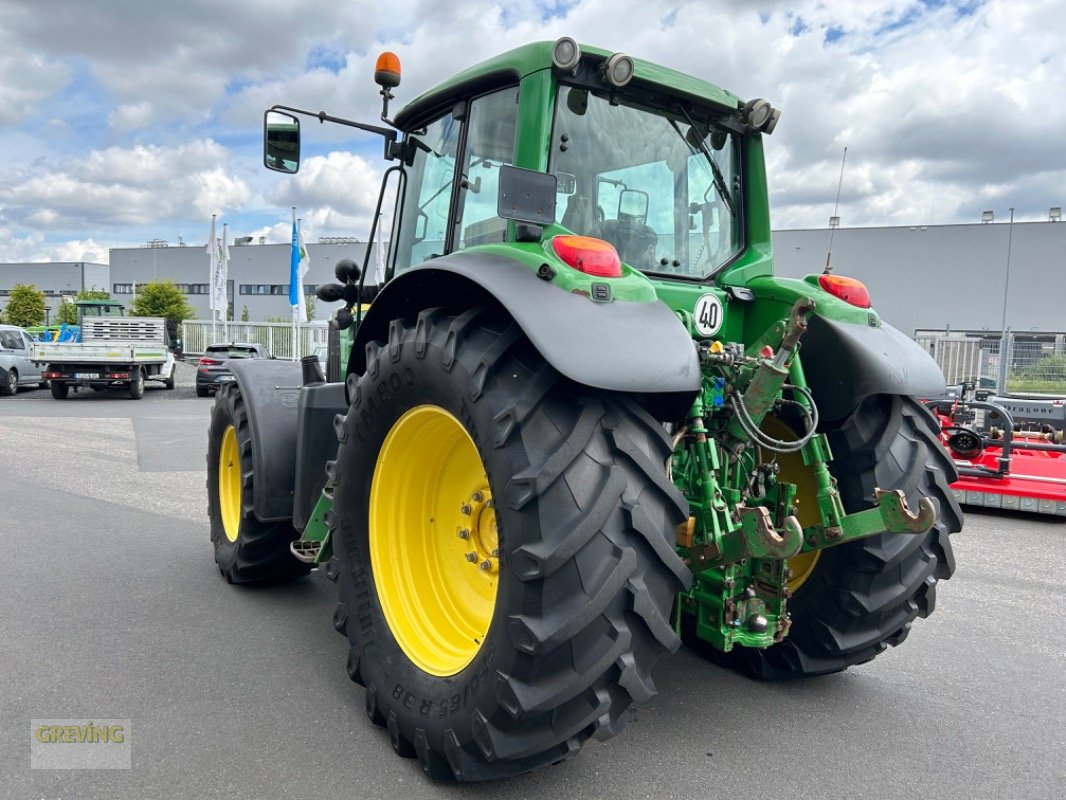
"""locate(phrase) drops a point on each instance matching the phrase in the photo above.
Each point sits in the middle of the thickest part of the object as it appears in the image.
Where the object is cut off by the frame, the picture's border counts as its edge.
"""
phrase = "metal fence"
(1018, 363)
(275, 336)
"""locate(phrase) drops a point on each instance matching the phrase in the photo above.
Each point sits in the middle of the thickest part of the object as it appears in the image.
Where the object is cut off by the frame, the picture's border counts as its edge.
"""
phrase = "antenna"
(834, 221)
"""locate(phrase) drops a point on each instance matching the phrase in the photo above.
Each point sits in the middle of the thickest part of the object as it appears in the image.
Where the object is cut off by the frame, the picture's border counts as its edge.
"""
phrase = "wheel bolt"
(464, 509)
(477, 497)
(464, 534)
(486, 565)
(495, 553)
(471, 557)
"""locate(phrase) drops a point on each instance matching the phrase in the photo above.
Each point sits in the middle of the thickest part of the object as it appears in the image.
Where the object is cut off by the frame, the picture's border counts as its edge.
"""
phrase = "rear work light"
(849, 290)
(589, 255)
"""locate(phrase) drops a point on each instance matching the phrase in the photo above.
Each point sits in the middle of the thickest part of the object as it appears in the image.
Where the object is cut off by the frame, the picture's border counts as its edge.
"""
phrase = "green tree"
(68, 312)
(26, 305)
(161, 299)
(244, 314)
(310, 308)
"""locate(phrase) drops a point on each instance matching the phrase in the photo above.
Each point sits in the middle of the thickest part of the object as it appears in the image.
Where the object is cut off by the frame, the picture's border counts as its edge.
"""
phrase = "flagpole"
(295, 321)
(212, 252)
(224, 269)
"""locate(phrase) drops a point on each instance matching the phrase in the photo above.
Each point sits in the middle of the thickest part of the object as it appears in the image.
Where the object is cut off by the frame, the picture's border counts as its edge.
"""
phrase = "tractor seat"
(634, 240)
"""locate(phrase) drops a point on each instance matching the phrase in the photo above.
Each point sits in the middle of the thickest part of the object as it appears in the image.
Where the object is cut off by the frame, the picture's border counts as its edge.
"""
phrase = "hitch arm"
(892, 514)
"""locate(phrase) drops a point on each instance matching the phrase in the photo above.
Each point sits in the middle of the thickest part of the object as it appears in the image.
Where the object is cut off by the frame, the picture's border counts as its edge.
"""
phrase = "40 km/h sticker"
(708, 314)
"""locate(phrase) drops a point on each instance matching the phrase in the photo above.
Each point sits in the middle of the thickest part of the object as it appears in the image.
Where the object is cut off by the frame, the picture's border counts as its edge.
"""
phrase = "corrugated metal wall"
(937, 276)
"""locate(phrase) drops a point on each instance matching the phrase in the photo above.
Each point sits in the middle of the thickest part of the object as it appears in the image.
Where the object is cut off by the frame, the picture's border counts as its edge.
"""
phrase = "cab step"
(306, 550)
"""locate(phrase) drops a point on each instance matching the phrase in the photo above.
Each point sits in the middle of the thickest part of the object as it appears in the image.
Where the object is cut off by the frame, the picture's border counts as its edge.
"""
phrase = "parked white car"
(16, 369)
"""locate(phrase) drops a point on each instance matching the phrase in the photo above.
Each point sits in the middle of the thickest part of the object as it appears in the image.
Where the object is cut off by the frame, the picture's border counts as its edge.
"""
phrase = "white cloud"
(26, 79)
(140, 185)
(945, 108)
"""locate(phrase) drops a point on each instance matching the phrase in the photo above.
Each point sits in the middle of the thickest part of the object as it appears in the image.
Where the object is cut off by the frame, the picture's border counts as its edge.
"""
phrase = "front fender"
(634, 348)
(271, 394)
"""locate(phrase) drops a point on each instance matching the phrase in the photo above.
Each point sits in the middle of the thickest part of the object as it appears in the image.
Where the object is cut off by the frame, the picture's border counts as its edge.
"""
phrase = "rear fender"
(639, 349)
(845, 363)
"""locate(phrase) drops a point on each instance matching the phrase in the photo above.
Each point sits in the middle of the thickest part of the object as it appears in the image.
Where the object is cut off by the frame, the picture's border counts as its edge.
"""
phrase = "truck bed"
(98, 353)
(109, 340)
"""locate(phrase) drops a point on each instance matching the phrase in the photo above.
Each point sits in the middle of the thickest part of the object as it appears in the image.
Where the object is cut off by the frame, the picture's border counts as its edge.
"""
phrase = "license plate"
(224, 378)
(86, 376)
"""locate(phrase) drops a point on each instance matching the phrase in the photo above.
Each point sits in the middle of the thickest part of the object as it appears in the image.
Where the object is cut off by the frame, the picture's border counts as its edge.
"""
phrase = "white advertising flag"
(305, 265)
(220, 296)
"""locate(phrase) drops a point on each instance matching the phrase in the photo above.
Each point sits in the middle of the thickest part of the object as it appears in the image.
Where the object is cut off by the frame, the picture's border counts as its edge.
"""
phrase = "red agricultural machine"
(1004, 460)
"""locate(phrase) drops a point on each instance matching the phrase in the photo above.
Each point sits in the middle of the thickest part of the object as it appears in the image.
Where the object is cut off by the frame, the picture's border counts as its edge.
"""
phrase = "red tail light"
(589, 255)
(206, 362)
(847, 289)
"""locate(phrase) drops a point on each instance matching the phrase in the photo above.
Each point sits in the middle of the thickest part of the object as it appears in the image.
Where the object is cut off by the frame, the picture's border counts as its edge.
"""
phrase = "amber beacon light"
(387, 70)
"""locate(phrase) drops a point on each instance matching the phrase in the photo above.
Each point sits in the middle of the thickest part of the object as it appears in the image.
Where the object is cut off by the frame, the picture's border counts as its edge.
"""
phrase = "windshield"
(230, 351)
(661, 187)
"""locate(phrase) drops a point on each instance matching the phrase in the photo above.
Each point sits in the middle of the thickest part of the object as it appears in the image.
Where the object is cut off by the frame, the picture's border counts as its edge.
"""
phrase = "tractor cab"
(99, 308)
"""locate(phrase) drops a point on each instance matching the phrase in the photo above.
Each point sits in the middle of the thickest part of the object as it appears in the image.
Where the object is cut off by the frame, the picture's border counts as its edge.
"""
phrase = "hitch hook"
(898, 516)
(763, 540)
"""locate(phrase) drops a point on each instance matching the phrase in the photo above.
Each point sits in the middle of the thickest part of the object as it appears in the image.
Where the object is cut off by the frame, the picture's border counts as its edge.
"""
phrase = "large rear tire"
(60, 389)
(461, 441)
(856, 599)
(247, 550)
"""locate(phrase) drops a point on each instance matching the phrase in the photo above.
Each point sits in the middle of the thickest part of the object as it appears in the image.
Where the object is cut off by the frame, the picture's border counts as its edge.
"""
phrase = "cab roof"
(512, 66)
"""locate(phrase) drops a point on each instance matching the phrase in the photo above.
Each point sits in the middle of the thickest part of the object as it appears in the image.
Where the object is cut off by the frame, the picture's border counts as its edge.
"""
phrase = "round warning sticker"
(708, 314)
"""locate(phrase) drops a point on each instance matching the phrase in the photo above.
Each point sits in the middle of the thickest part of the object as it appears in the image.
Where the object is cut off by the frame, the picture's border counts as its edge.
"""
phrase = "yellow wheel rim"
(434, 547)
(229, 483)
(793, 470)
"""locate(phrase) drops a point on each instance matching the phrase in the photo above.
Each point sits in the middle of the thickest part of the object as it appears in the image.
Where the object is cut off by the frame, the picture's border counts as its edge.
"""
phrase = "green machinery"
(578, 420)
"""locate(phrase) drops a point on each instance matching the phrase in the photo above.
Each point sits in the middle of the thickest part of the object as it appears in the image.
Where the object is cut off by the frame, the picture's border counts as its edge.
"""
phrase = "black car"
(212, 372)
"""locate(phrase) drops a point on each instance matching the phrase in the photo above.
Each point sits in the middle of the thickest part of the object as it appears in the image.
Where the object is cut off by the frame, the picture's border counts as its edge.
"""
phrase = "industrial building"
(57, 279)
(258, 276)
(924, 278)
(962, 278)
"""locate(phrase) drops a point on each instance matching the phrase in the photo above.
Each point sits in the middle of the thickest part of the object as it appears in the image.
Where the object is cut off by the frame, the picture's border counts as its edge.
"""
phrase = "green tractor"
(579, 421)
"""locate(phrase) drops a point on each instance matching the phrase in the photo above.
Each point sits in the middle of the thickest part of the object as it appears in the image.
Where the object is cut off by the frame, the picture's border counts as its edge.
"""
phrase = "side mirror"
(633, 204)
(281, 142)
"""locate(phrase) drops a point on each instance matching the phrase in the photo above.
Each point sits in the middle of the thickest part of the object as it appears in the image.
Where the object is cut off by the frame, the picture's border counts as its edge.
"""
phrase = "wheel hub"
(480, 531)
(434, 542)
(229, 483)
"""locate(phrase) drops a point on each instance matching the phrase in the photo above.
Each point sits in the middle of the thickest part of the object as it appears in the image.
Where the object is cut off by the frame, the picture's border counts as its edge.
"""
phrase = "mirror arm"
(322, 116)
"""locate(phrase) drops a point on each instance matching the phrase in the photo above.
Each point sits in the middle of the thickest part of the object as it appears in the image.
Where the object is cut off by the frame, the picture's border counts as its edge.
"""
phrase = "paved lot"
(112, 608)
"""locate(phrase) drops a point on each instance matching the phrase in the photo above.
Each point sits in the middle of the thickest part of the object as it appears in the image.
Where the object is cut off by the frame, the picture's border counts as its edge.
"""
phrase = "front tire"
(9, 383)
(582, 519)
(247, 550)
(859, 598)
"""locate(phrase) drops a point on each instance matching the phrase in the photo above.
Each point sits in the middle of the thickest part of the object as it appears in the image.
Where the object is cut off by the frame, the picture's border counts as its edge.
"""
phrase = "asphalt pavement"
(112, 608)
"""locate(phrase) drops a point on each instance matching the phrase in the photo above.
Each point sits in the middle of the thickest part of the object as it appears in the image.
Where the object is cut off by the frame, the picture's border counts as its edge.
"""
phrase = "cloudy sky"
(128, 120)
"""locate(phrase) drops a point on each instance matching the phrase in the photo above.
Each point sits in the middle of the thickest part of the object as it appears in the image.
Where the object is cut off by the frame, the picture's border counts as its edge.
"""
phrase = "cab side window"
(427, 225)
(424, 214)
(490, 143)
